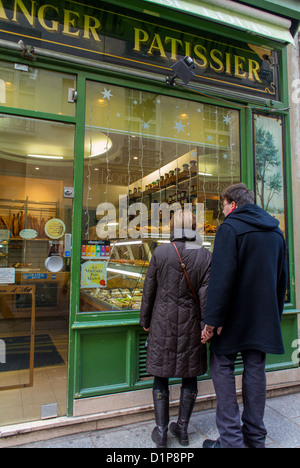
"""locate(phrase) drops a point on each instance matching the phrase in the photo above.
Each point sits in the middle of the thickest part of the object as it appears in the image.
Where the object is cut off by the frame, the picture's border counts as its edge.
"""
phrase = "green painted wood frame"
(121, 331)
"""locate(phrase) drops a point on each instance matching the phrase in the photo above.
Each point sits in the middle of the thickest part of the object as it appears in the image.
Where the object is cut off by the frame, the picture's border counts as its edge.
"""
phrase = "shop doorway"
(36, 202)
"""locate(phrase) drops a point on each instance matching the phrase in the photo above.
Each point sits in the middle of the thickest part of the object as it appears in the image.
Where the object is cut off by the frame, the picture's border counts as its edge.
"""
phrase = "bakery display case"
(125, 275)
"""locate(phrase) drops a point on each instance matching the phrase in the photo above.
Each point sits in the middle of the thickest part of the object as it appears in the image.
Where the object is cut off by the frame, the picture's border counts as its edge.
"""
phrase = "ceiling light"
(205, 174)
(39, 156)
(124, 272)
(100, 147)
(129, 243)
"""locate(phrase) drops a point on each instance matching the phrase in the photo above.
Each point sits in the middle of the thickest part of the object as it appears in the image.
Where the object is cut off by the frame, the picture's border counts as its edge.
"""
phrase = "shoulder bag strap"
(186, 275)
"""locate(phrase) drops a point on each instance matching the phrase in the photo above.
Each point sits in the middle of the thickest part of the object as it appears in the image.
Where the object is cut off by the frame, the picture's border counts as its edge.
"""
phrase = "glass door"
(36, 200)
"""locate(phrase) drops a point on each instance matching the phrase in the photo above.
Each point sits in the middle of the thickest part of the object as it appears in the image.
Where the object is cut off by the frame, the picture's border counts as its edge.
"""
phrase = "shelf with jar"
(175, 185)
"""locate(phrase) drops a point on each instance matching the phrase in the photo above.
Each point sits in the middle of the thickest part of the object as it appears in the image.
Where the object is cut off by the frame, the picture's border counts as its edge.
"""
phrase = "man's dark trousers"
(253, 431)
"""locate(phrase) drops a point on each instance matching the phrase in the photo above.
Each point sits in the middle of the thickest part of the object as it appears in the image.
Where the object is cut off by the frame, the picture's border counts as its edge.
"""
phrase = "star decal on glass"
(146, 125)
(107, 94)
(179, 126)
(226, 119)
(209, 137)
(225, 156)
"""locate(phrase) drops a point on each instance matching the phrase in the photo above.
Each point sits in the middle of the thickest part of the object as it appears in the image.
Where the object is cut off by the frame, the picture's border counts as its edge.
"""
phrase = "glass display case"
(121, 286)
(122, 283)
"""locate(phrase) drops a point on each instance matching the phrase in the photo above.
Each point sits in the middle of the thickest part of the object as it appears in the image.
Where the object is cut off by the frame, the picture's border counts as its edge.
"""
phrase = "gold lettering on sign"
(91, 28)
(197, 52)
(2, 12)
(157, 45)
(218, 60)
(254, 69)
(42, 16)
(174, 46)
(70, 22)
(57, 19)
(30, 16)
(238, 62)
(140, 36)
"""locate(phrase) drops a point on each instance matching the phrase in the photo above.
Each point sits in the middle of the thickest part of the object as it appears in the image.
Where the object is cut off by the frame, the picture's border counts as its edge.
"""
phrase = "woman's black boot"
(180, 429)
(161, 408)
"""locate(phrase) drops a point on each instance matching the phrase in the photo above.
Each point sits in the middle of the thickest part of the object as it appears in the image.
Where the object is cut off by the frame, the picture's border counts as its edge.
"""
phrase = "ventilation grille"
(142, 357)
(142, 354)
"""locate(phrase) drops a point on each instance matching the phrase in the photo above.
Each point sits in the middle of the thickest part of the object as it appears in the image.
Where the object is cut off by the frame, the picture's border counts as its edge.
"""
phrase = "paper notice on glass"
(93, 275)
(7, 275)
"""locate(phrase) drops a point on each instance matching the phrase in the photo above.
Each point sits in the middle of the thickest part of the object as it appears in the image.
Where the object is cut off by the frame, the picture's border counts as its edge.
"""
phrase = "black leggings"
(162, 384)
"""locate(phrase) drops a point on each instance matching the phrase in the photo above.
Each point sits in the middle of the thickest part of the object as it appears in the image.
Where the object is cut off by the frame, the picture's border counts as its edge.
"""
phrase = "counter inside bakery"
(52, 295)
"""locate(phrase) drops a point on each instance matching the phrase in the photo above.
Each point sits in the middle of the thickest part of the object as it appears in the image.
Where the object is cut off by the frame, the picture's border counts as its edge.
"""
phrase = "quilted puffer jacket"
(170, 310)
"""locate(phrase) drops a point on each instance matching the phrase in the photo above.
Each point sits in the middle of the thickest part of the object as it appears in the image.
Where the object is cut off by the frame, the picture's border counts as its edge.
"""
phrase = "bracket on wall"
(28, 52)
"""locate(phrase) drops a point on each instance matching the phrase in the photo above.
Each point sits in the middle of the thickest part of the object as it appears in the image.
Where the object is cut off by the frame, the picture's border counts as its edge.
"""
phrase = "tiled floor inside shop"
(50, 386)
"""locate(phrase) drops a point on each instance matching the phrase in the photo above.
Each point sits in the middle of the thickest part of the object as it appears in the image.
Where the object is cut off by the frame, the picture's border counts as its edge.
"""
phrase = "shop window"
(269, 168)
(147, 155)
(25, 87)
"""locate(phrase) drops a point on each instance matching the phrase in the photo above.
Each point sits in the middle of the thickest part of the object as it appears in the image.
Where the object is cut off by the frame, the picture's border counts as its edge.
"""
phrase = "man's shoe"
(208, 443)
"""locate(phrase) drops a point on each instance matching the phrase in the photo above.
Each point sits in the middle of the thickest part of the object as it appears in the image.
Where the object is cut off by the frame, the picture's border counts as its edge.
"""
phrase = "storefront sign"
(93, 275)
(101, 34)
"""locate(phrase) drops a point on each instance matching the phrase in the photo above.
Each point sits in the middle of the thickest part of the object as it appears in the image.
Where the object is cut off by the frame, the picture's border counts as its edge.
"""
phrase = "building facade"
(107, 127)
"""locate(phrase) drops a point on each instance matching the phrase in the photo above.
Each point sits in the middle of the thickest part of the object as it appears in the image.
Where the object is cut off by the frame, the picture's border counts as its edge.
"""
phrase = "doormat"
(18, 353)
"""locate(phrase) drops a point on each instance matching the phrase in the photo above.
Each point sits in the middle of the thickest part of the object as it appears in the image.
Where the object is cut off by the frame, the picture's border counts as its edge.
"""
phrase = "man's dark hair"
(238, 193)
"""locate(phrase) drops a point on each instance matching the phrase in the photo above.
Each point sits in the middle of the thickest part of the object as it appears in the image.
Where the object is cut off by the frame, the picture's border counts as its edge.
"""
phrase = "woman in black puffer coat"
(170, 312)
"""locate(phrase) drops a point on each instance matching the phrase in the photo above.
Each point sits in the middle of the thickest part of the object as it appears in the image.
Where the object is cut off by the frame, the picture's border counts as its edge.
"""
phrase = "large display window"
(147, 155)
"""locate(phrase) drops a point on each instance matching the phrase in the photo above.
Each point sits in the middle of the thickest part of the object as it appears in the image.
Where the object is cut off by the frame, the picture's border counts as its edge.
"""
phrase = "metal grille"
(142, 375)
(142, 355)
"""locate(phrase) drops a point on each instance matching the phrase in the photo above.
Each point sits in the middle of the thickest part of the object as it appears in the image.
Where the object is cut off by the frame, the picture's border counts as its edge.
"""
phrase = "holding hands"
(208, 333)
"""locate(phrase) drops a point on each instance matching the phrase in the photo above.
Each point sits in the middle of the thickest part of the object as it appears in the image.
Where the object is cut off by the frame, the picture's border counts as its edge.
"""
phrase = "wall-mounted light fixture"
(183, 69)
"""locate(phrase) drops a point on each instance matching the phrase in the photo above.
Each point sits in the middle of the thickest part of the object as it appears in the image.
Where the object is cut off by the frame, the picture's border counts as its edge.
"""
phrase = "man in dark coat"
(243, 312)
(170, 311)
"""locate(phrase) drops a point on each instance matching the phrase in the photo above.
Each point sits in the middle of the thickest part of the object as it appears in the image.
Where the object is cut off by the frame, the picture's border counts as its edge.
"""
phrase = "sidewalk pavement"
(282, 420)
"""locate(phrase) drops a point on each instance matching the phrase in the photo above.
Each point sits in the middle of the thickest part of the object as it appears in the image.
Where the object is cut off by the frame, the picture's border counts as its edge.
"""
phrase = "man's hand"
(208, 333)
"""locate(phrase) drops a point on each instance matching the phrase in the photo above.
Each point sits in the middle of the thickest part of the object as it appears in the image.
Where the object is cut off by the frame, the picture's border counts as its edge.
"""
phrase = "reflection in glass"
(25, 87)
(269, 166)
(145, 156)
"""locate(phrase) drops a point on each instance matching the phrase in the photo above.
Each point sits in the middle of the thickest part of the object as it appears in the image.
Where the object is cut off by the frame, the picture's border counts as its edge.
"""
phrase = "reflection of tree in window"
(267, 183)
